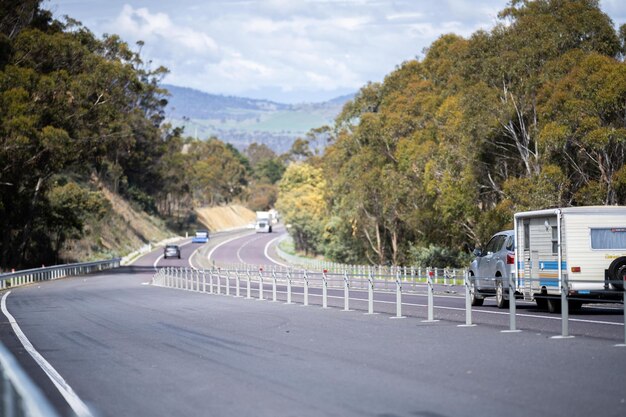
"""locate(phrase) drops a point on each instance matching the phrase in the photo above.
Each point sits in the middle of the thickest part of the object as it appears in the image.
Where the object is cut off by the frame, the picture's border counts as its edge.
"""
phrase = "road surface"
(131, 349)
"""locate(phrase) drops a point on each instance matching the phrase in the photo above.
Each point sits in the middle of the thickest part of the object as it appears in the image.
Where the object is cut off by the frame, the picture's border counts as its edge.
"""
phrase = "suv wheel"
(500, 301)
(475, 298)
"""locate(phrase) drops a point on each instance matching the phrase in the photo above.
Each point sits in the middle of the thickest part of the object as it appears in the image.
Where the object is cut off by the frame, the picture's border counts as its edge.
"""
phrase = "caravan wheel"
(542, 303)
(617, 273)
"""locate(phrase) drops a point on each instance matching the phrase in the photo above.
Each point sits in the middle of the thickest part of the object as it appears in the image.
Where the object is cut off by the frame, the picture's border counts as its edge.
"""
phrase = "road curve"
(248, 249)
(128, 348)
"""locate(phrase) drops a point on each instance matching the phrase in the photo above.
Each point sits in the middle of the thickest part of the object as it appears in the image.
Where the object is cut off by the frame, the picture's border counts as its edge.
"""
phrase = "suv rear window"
(495, 244)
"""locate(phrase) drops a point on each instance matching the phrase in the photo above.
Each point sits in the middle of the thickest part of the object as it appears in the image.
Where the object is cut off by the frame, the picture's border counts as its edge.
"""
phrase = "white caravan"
(582, 247)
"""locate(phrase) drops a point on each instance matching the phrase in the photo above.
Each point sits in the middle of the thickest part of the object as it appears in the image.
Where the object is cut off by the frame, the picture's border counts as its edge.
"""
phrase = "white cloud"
(290, 49)
(159, 30)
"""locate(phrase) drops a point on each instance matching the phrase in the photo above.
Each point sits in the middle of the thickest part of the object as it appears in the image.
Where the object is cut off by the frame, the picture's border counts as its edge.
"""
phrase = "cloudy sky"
(285, 50)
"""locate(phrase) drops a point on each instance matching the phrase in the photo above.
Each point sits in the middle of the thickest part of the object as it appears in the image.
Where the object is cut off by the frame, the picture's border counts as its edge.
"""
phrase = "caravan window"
(608, 238)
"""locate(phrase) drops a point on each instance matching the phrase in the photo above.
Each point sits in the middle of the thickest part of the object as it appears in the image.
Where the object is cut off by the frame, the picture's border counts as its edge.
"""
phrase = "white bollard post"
(261, 295)
(324, 289)
(204, 280)
(370, 292)
(219, 281)
(624, 303)
(306, 289)
(248, 295)
(564, 311)
(468, 303)
(288, 287)
(274, 285)
(431, 308)
(398, 297)
(227, 277)
(512, 307)
(346, 292)
(237, 283)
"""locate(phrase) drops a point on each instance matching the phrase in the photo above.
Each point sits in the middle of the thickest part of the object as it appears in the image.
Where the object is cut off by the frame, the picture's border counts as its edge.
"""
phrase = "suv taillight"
(510, 259)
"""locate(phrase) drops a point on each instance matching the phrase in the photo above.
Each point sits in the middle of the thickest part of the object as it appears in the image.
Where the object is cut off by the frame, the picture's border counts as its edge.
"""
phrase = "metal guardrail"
(30, 276)
(219, 280)
(20, 397)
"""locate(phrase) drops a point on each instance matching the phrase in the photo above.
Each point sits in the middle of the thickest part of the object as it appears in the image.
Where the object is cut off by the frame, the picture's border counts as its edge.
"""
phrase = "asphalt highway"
(128, 348)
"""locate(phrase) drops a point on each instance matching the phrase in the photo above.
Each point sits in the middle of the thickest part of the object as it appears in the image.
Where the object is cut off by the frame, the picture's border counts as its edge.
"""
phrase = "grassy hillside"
(242, 121)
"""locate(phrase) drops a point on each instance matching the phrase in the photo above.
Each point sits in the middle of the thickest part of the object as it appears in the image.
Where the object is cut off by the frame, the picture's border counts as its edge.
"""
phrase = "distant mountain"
(242, 121)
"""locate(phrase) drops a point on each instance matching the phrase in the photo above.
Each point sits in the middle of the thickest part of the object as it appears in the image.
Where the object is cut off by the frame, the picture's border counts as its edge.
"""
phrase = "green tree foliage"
(216, 172)
(79, 113)
(267, 169)
(441, 154)
(302, 205)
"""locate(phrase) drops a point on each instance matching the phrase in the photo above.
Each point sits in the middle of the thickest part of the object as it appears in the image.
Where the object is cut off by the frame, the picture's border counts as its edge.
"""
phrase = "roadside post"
(431, 308)
(227, 277)
(346, 291)
(370, 292)
(211, 279)
(261, 296)
(306, 289)
(248, 295)
(512, 307)
(274, 285)
(564, 310)
(289, 287)
(237, 283)
(203, 280)
(624, 303)
(468, 302)
(398, 296)
(324, 289)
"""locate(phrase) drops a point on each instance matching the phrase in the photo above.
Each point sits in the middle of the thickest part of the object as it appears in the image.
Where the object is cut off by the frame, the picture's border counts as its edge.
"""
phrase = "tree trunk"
(29, 221)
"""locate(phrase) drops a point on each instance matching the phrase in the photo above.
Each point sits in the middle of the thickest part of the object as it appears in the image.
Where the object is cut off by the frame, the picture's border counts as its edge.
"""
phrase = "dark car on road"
(171, 251)
(492, 268)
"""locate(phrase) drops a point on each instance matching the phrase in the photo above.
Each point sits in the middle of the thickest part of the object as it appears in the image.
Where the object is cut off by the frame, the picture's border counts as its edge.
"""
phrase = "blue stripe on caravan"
(552, 265)
(549, 282)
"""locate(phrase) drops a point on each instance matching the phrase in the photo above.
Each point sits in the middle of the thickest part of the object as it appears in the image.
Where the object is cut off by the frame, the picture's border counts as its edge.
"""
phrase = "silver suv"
(171, 251)
(490, 271)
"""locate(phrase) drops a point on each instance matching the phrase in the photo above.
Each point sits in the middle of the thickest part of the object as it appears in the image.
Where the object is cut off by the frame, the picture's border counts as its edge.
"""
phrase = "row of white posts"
(210, 281)
(201, 280)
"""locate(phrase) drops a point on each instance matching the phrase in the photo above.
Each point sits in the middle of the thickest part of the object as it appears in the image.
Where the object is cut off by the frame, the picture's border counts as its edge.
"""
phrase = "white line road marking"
(77, 405)
(223, 243)
(267, 255)
(243, 246)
